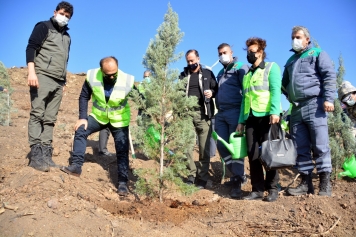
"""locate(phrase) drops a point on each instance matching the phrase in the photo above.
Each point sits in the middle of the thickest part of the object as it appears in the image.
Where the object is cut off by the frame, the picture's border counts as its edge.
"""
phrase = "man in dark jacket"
(47, 55)
(201, 84)
(309, 82)
(228, 102)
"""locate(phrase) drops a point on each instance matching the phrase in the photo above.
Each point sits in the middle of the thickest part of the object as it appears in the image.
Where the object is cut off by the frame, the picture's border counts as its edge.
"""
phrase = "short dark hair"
(192, 51)
(106, 59)
(223, 45)
(66, 6)
(261, 44)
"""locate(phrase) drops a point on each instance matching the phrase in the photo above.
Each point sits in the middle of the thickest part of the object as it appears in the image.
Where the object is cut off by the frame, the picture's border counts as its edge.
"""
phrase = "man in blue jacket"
(309, 82)
(228, 102)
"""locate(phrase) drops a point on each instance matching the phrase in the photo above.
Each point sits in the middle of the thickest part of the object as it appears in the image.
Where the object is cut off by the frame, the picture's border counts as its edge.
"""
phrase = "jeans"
(121, 139)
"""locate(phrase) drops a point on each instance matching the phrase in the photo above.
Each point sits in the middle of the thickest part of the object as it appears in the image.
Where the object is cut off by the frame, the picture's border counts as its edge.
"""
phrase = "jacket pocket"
(307, 65)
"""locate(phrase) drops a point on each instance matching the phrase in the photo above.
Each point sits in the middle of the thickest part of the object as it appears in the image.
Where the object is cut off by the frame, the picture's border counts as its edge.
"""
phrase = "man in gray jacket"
(47, 55)
(309, 82)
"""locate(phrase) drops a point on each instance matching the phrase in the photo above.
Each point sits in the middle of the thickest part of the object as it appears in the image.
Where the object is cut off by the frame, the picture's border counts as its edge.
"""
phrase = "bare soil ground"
(55, 204)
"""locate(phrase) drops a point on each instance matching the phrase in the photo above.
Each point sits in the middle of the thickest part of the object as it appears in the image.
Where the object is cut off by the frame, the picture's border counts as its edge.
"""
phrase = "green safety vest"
(116, 111)
(256, 90)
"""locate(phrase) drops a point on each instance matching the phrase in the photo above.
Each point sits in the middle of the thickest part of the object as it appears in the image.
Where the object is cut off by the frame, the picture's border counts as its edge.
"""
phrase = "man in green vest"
(109, 88)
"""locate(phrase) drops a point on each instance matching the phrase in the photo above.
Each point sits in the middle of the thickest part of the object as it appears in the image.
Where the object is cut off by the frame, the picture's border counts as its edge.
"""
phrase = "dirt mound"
(55, 204)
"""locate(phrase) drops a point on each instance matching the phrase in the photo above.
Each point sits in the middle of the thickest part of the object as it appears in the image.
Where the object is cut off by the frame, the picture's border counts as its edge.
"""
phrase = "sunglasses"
(108, 76)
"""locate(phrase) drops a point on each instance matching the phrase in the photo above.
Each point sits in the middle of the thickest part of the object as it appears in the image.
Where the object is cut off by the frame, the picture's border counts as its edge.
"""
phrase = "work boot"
(73, 169)
(231, 181)
(47, 155)
(324, 185)
(272, 195)
(122, 190)
(236, 190)
(190, 180)
(36, 159)
(255, 195)
(304, 186)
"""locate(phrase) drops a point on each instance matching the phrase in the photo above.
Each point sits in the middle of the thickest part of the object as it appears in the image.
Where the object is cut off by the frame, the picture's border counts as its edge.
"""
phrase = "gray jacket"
(309, 74)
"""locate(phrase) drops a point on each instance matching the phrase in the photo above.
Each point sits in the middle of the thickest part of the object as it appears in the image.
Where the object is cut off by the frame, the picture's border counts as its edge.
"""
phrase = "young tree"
(164, 128)
(5, 102)
(342, 140)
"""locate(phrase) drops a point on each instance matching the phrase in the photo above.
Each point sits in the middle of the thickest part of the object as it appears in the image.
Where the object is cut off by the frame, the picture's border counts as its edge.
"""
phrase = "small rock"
(55, 151)
(53, 203)
(343, 205)
(195, 203)
(320, 228)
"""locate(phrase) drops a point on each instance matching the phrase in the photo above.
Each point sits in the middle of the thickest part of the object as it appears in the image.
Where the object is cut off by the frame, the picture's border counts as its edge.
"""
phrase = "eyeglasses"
(108, 76)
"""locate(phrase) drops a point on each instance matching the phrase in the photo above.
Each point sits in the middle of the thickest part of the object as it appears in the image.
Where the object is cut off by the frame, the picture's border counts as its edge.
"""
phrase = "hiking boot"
(190, 180)
(236, 190)
(47, 155)
(325, 184)
(254, 196)
(36, 159)
(272, 195)
(122, 190)
(73, 169)
(200, 184)
(305, 186)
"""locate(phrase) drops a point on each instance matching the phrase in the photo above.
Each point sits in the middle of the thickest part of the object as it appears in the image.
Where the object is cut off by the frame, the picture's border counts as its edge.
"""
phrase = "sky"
(124, 28)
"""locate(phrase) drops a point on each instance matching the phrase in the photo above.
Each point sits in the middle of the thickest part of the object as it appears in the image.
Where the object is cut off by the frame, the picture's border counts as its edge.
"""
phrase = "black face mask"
(193, 66)
(251, 58)
(109, 81)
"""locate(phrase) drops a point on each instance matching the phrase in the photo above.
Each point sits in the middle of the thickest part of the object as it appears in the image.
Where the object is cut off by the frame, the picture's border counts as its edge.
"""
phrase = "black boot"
(73, 169)
(324, 185)
(36, 159)
(304, 186)
(47, 155)
(122, 190)
(190, 180)
(236, 189)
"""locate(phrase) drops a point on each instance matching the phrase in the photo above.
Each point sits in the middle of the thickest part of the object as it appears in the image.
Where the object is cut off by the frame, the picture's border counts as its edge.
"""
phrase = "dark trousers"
(121, 139)
(257, 129)
(103, 140)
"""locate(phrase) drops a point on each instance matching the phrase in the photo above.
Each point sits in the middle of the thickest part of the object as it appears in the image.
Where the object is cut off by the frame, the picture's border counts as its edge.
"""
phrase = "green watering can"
(237, 146)
(350, 168)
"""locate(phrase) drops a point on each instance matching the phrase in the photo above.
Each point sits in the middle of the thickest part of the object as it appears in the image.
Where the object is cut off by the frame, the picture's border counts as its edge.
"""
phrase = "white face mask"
(61, 20)
(297, 44)
(224, 59)
(350, 102)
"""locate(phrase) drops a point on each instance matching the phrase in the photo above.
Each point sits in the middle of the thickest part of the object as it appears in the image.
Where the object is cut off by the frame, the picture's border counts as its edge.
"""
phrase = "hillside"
(55, 204)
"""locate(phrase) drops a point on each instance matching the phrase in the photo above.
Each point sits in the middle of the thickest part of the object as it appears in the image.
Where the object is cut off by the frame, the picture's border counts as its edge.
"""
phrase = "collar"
(262, 65)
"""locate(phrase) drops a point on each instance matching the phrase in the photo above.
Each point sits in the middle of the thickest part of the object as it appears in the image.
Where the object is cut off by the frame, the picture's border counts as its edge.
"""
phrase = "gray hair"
(302, 28)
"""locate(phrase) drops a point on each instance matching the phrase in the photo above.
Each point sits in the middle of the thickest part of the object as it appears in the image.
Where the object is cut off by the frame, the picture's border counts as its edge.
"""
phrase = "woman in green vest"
(260, 111)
